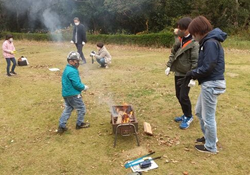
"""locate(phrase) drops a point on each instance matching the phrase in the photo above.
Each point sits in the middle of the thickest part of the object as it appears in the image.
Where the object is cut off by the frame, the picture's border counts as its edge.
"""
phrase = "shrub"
(154, 39)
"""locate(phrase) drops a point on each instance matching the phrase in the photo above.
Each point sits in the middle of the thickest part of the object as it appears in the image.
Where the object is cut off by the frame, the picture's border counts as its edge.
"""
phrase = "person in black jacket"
(210, 75)
(79, 37)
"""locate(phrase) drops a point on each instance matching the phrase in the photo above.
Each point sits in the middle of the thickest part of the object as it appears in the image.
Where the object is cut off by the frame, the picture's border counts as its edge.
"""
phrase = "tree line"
(120, 16)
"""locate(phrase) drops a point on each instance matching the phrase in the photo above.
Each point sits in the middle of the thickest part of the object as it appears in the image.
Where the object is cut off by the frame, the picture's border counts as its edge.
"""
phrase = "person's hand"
(83, 43)
(191, 83)
(185, 80)
(72, 42)
(86, 88)
(167, 71)
(92, 54)
(12, 52)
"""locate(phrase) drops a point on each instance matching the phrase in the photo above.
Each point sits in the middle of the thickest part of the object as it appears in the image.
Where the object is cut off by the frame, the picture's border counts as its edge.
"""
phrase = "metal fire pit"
(119, 127)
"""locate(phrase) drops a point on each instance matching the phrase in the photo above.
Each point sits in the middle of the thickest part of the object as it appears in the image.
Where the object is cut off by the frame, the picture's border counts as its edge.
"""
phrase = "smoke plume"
(45, 12)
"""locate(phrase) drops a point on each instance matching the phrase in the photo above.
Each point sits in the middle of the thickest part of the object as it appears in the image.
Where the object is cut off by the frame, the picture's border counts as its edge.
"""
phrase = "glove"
(92, 54)
(176, 31)
(191, 83)
(86, 88)
(185, 81)
(72, 42)
(83, 43)
(12, 52)
(167, 71)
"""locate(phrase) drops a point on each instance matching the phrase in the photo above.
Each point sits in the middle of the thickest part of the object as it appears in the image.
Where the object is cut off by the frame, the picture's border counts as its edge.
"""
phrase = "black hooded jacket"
(81, 34)
(211, 63)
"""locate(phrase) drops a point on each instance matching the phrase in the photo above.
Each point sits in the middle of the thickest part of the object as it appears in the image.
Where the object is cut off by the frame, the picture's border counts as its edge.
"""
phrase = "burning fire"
(124, 116)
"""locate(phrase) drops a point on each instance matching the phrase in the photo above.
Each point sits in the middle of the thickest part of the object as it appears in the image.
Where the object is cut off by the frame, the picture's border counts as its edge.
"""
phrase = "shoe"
(202, 139)
(179, 119)
(61, 130)
(202, 148)
(12, 72)
(186, 122)
(106, 67)
(9, 75)
(83, 125)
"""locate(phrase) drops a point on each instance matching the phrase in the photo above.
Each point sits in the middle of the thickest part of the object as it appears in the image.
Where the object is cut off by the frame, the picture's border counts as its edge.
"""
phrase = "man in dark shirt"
(79, 37)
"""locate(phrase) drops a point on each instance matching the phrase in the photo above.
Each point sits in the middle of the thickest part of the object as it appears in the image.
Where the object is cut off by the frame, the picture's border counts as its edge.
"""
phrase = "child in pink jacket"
(8, 53)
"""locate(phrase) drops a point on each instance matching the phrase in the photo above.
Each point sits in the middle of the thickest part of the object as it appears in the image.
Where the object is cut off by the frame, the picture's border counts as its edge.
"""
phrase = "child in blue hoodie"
(71, 92)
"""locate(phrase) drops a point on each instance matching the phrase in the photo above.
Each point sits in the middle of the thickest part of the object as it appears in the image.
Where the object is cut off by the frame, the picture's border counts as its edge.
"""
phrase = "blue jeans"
(206, 108)
(101, 61)
(71, 103)
(9, 60)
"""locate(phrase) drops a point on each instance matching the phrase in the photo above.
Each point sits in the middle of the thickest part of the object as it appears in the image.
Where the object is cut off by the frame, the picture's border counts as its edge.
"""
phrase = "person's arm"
(174, 49)
(14, 49)
(5, 48)
(194, 55)
(210, 58)
(74, 33)
(100, 55)
(84, 38)
(76, 81)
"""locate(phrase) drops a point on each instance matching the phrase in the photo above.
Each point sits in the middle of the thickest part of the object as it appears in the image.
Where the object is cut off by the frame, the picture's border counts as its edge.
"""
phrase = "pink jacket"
(7, 48)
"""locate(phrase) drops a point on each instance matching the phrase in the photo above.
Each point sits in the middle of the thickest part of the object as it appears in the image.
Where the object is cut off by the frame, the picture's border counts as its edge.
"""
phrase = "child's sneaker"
(83, 125)
(186, 122)
(61, 130)
(179, 119)
(13, 73)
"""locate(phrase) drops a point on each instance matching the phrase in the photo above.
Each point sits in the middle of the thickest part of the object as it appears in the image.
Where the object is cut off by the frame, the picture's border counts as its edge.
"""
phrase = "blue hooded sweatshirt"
(71, 82)
(211, 63)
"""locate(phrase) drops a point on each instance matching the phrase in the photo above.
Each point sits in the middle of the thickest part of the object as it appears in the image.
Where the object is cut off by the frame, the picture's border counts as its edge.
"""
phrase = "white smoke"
(52, 21)
(37, 10)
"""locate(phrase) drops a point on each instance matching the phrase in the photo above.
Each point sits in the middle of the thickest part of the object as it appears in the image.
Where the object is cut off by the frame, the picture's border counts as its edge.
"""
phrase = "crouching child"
(71, 92)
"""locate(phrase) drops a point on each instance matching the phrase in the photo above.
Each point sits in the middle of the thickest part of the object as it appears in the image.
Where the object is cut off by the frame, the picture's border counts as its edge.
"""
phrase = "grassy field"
(31, 105)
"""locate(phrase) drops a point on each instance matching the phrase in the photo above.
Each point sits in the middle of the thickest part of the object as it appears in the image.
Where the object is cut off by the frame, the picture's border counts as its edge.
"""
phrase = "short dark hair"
(76, 18)
(200, 25)
(183, 23)
(8, 36)
(100, 45)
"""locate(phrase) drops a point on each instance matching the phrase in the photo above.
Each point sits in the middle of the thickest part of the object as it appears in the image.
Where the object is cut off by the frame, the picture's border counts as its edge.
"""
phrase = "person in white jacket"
(103, 56)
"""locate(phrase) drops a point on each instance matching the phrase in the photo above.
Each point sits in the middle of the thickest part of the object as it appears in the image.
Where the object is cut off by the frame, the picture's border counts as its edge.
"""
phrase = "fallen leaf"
(166, 161)
(174, 161)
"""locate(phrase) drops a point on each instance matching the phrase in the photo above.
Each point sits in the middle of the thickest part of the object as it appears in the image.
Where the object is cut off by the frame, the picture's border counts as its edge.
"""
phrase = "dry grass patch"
(31, 105)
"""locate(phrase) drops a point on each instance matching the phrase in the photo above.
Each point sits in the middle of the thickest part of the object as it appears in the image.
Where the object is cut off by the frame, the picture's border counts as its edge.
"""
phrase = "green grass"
(234, 42)
(31, 105)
